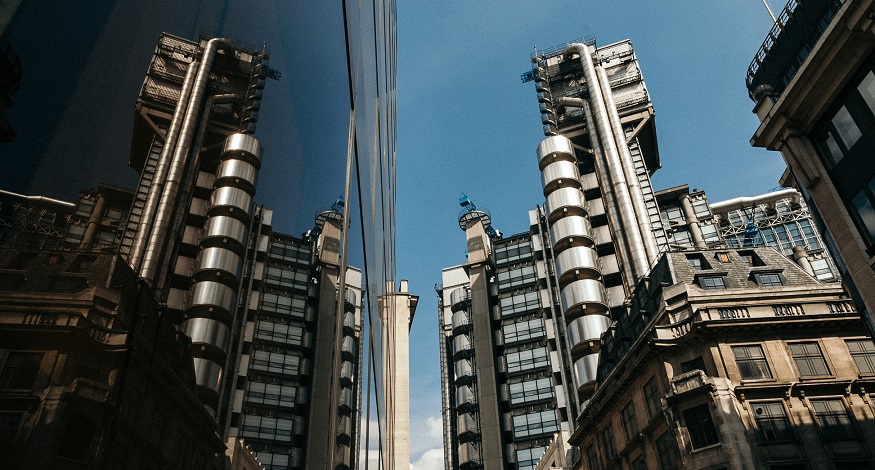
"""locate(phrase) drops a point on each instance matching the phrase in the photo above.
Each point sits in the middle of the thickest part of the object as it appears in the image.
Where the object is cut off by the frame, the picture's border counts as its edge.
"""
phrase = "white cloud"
(435, 427)
(432, 459)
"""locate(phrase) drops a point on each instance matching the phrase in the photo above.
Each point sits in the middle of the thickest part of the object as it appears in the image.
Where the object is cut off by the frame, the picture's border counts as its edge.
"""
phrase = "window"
(513, 252)
(271, 394)
(682, 236)
(867, 90)
(832, 418)
(821, 268)
(673, 212)
(863, 353)
(751, 362)
(592, 459)
(288, 251)
(543, 422)
(530, 391)
(519, 303)
(666, 448)
(709, 233)
(516, 277)
(283, 304)
(723, 257)
(771, 420)
(862, 209)
(280, 333)
(528, 458)
(630, 426)
(276, 362)
(768, 279)
(712, 282)
(750, 258)
(700, 425)
(286, 276)
(526, 360)
(20, 370)
(809, 359)
(846, 128)
(698, 262)
(608, 441)
(696, 364)
(266, 427)
(523, 331)
(651, 397)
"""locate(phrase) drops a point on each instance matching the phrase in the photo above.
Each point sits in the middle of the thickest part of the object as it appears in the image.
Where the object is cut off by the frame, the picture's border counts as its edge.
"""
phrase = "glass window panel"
(517, 277)
(630, 425)
(809, 359)
(530, 424)
(847, 129)
(834, 152)
(667, 450)
(700, 425)
(526, 360)
(863, 353)
(867, 89)
(652, 398)
(864, 214)
(528, 458)
(530, 391)
(832, 418)
(523, 331)
(519, 303)
(712, 282)
(771, 420)
(20, 370)
(751, 361)
(608, 442)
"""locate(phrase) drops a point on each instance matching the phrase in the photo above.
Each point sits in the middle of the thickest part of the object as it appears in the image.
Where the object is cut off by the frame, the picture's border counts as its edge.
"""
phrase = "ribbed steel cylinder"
(218, 264)
(584, 296)
(564, 202)
(560, 174)
(555, 148)
(347, 370)
(232, 202)
(468, 453)
(467, 424)
(586, 329)
(211, 299)
(463, 369)
(207, 373)
(459, 298)
(226, 232)
(585, 372)
(461, 321)
(347, 348)
(462, 346)
(208, 331)
(244, 147)
(464, 395)
(577, 262)
(238, 174)
(573, 230)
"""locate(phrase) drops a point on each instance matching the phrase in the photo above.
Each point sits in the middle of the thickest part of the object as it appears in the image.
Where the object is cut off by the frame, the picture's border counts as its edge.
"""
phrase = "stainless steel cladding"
(207, 331)
(461, 321)
(565, 201)
(462, 346)
(226, 232)
(583, 331)
(207, 373)
(217, 263)
(244, 147)
(573, 230)
(585, 370)
(464, 370)
(468, 453)
(231, 201)
(459, 298)
(237, 173)
(347, 373)
(577, 262)
(584, 296)
(467, 424)
(555, 148)
(559, 174)
(465, 396)
(209, 296)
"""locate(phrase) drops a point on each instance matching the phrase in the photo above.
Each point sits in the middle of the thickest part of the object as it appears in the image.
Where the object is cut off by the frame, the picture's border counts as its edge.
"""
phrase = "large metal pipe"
(693, 222)
(638, 252)
(637, 196)
(174, 235)
(153, 198)
(193, 114)
(723, 207)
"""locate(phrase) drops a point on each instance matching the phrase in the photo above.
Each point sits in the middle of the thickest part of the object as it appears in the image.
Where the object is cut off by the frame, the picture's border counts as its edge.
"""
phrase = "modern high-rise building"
(529, 324)
(264, 333)
(813, 81)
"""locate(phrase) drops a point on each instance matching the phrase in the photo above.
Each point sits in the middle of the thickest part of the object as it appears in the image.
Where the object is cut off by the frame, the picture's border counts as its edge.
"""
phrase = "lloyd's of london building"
(549, 337)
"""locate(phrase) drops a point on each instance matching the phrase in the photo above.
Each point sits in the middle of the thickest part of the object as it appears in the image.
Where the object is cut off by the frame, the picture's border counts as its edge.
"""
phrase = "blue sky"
(467, 124)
